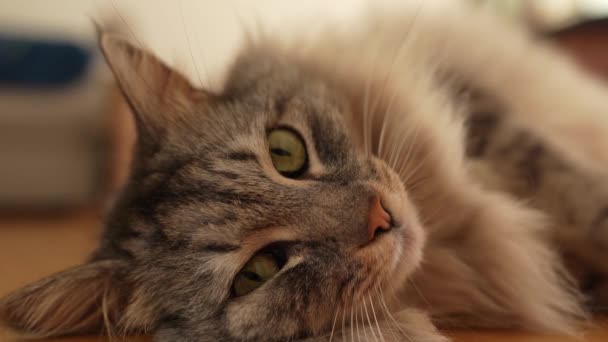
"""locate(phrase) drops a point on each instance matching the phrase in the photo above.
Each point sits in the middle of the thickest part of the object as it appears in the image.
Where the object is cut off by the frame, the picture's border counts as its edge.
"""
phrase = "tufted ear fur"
(160, 97)
(83, 299)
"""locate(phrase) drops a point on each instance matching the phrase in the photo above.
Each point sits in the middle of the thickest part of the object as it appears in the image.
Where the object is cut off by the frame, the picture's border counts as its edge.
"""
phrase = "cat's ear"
(83, 299)
(159, 96)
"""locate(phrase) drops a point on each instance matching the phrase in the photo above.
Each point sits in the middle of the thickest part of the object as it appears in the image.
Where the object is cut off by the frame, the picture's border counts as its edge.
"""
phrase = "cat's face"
(255, 214)
(222, 203)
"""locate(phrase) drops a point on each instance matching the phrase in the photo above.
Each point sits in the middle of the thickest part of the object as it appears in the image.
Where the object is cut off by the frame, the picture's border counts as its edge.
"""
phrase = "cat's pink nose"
(379, 220)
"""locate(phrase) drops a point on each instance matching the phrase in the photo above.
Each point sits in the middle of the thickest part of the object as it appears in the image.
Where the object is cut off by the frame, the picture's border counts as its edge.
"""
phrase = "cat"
(428, 169)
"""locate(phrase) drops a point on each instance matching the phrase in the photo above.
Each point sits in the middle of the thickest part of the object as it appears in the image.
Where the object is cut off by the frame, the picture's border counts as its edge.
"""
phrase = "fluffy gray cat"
(433, 169)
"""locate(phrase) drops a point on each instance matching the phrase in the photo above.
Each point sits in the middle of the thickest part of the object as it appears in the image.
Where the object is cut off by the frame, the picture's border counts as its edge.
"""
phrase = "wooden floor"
(33, 247)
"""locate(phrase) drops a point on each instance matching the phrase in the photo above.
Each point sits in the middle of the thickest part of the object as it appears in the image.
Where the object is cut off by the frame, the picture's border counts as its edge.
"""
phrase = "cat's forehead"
(256, 67)
(274, 73)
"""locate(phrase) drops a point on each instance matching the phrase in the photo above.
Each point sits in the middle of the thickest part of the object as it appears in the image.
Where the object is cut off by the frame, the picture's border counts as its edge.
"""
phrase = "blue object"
(30, 63)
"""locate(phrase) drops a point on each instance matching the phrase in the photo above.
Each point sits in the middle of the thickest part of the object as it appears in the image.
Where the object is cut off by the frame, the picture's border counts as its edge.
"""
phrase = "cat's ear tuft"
(83, 299)
(159, 96)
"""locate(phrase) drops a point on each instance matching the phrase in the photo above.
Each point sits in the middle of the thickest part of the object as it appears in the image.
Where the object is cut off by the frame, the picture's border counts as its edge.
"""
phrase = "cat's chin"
(409, 243)
(393, 256)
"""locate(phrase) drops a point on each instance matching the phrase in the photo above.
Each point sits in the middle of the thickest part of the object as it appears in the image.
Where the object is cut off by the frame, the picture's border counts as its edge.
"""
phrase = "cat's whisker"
(366, 99)
(400, 146)
(410, 149)
(369, 321)
(371, 303)
(388, 112)
(392, 318)
(419, 181)
(357, 325)
(393, 149)
(389, 319)
(333, 326)
(390, 315)
(352, 326)
(411, 173)
(438, 208)
(363, 128)
(106, 316)
(385, 312)
(395, 59)
(392, 290)
(363, 323)
(396, 149)
(396, 144)
(393, 155)
(187, 34)
(342, 334)
(426, 301)
(412, 135)
(383, 131)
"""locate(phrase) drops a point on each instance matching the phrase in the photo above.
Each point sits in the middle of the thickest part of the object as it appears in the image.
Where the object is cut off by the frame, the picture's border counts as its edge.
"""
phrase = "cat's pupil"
(252, 276)
(280, 152)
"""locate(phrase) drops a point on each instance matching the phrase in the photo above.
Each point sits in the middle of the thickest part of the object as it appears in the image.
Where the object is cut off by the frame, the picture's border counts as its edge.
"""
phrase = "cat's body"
(489, 167)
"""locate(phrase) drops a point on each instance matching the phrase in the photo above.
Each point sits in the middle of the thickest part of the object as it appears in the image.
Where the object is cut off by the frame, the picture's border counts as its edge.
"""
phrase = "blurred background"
(66, 134)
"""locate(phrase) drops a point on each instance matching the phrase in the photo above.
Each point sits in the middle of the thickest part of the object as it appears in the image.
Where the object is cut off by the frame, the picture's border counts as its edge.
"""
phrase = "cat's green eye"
(256, 272)
(287, 151)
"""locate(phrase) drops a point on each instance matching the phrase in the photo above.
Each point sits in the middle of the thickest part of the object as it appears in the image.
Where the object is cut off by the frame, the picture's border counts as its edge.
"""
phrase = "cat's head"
(254, 214)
